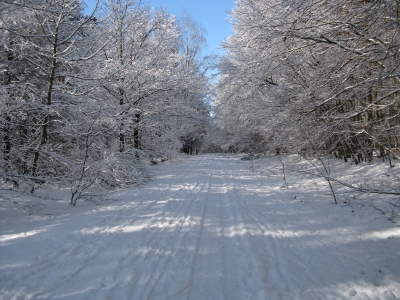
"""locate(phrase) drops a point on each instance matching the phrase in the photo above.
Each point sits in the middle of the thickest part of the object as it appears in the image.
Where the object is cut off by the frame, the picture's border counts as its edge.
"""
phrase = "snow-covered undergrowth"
(365, 187)
(209, 227)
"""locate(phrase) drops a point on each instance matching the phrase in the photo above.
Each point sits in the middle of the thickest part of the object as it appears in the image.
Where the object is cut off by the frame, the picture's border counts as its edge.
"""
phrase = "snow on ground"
(208, 227)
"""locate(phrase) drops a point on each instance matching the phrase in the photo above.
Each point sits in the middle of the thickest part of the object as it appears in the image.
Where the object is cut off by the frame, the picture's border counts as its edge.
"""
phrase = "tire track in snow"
(281, 240)
(224, 249)
(151, 241)
(252, 280)
(156, 278)
(200, 234)
(169, 239)
(265, 274)
(266, 229)
(231, 283)
(267, 247)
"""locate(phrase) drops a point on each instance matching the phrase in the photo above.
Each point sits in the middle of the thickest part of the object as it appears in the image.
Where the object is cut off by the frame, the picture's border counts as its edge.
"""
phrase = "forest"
(311, 77)
(89, 101)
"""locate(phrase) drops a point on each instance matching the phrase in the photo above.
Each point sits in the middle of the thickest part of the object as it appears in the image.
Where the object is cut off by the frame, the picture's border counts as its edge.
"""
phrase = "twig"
(283, 170)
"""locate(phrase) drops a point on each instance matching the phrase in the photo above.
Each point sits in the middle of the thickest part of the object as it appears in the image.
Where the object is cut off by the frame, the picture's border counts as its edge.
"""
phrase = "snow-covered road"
(205, 228)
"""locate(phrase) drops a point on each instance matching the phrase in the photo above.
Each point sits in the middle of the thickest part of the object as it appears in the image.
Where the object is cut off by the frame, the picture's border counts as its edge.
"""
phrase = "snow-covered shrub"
(114, 171)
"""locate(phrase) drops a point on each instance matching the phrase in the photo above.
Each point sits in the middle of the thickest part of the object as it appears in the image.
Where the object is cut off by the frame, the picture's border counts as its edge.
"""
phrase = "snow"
(208, 227)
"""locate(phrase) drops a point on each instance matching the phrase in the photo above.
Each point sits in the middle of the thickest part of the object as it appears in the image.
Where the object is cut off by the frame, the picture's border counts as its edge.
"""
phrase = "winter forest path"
(205, 228)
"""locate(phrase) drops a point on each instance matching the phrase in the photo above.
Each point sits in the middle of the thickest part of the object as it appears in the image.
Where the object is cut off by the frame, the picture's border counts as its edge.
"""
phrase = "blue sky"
(211, 14)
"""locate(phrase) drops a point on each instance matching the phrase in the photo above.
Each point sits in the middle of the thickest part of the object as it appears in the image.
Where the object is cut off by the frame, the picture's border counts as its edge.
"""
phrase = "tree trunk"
(6, 128)
(136, 132)
(43, 139)
(121, 127)
(7, 143)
